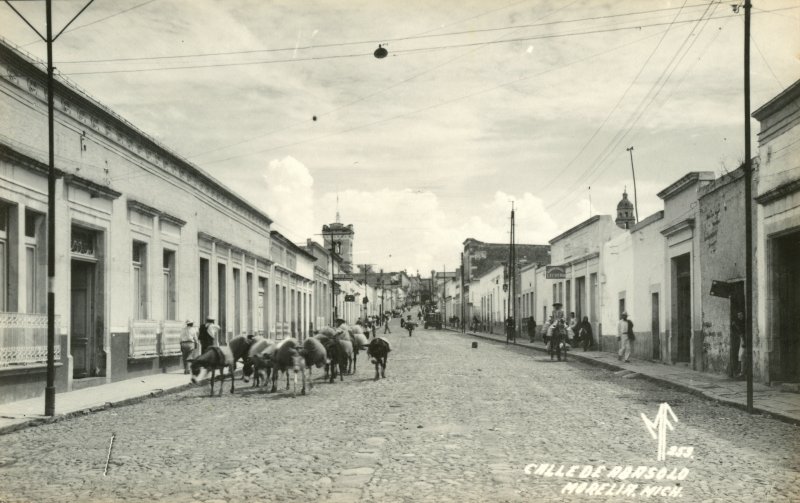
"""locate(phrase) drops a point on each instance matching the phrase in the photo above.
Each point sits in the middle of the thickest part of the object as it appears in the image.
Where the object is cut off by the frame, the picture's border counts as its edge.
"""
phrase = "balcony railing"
(171, 337)
(23, 339)
(144, 338)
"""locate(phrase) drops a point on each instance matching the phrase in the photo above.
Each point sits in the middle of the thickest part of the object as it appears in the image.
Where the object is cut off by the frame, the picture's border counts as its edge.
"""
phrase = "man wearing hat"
(208, 334)
(189, 344)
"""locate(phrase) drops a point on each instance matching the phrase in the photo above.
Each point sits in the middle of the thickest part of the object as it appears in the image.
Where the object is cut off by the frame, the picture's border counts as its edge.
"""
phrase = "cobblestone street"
(449, 423)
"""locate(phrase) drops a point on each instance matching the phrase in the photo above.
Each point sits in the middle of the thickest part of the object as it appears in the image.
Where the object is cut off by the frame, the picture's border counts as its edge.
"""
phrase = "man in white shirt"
(624, 337)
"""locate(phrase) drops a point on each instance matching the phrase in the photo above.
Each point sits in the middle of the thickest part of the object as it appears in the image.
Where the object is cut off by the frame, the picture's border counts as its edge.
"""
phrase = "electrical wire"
(584, 175)
(97, 20)
(592, 172)
(364, 98)
(430, 107)
(400, 52)
(371, 42)
(562, 171)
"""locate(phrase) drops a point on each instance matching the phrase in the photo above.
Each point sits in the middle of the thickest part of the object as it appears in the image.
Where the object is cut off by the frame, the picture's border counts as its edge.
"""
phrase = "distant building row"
(660, 270)
(144, 241)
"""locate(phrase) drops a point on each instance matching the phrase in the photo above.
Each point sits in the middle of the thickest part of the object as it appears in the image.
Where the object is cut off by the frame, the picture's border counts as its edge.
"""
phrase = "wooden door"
(82, 341)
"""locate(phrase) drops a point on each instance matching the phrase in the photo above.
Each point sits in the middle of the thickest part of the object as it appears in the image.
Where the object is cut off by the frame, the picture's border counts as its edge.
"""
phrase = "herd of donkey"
(336, 349)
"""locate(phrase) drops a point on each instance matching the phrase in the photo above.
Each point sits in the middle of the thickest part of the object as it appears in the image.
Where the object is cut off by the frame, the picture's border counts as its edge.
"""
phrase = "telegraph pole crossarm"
(50, 389)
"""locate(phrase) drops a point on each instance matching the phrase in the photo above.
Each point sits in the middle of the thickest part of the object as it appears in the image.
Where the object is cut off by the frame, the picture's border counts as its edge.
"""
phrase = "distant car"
(433, 320)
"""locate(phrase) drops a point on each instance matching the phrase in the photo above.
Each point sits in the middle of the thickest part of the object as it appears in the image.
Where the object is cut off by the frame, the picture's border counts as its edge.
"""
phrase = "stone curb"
(38, 421)
(656, 380)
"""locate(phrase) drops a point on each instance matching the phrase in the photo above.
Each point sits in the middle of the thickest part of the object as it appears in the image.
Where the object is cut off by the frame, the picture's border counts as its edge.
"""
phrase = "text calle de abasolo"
(650, 480)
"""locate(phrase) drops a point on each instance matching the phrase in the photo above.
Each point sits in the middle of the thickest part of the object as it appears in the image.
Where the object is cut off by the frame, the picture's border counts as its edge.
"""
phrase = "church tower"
(625, 217)
(343, 235)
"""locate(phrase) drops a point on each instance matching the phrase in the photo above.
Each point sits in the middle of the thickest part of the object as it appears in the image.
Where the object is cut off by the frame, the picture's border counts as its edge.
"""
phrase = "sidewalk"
(766, 400)
(17, 415)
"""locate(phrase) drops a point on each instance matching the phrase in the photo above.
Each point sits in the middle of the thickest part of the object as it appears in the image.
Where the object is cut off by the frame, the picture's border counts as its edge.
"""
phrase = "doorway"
(580, 295)
(786, 299)
(82, 333)
(737, 327)
(683, 307)
(204, 290)
(222, 306)
(655, 326)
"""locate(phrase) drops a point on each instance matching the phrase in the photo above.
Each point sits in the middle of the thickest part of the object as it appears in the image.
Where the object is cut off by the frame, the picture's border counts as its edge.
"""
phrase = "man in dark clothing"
(531, 328)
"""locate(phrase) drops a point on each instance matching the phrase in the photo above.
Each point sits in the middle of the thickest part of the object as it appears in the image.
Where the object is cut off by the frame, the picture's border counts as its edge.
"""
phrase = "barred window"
(139, 280)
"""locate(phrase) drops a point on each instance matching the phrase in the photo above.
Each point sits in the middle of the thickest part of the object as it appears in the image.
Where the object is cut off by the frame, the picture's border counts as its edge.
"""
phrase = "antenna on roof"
(338, 220)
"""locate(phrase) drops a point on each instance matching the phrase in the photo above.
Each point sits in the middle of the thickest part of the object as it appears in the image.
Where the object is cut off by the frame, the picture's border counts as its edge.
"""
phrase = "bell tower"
(343, 235)
(625, 217)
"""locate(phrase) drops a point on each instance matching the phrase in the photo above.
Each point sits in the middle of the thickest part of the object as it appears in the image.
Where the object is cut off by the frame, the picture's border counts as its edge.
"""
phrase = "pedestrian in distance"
(409, 325)
(386, 329)
(737, 330)
(585, 334)
(572, 330)
(531, 329)
(625, 337)
(190, 345)
(511, 334)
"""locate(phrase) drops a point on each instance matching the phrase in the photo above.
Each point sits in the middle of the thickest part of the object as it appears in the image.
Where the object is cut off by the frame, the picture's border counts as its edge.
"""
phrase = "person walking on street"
(737, 330)
(189, 344)
(409, 325)
(531, 329)
(585, 334)
(625, 337)
(386, 329)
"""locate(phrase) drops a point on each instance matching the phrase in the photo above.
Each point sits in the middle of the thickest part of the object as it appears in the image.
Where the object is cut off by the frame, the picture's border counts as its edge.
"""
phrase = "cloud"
(409, 229)
(288, 197)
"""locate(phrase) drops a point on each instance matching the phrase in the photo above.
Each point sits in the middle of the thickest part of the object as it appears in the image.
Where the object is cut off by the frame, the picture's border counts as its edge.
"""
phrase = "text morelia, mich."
(624, 490)
(616, 472)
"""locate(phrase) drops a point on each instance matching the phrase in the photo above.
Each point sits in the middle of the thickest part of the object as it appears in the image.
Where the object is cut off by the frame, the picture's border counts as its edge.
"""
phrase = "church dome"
(625, 212)
(625, 203)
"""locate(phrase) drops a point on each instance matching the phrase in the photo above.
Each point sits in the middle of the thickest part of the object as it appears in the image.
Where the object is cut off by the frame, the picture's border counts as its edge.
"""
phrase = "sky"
(480, 104)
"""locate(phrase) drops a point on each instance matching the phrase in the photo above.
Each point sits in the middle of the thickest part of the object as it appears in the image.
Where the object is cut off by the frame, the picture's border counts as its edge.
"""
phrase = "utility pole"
(635, 200)
(333, 283)
(444, 295)
(748, 213)
(365, 301)
(463, 298)
(50, 388)
(511, 321)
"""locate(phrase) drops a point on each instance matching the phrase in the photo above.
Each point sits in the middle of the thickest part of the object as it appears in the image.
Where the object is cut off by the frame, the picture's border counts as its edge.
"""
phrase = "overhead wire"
(360, 99)
(97, 20)
(376, 41)
(399, 52)
(595, 167)
(430, 107)
(583, 148)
